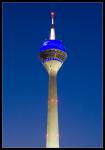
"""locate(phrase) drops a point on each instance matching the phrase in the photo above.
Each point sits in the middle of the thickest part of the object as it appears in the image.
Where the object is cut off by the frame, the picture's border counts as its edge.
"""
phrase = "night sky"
(25, 81)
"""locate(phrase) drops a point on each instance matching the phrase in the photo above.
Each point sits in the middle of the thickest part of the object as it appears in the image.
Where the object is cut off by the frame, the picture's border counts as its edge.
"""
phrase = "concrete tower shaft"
(52, 121)
(52, 67)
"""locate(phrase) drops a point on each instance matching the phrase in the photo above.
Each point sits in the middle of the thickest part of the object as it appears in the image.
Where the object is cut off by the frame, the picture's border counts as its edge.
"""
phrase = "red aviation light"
(52, 100)
(52, 14)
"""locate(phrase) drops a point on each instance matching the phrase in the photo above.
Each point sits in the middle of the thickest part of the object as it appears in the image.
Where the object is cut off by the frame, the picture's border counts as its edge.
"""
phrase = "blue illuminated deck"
(51, 44)
(52, 59)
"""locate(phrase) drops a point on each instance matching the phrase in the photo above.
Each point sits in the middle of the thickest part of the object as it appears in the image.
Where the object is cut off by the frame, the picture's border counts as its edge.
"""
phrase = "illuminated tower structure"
(52, 56)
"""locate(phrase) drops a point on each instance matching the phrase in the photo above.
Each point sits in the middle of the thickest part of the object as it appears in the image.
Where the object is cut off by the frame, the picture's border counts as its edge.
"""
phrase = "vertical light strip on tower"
(52, 55)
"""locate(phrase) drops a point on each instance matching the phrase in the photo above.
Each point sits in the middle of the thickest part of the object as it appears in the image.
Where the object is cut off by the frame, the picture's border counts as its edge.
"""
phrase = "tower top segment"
(52, 49)
(52, 43)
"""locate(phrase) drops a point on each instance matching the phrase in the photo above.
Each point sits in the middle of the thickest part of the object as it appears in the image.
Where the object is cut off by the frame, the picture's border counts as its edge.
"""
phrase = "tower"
(52, 56)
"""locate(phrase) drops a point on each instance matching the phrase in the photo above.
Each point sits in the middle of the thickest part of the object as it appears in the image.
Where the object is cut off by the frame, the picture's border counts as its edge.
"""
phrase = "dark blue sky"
(25, 81)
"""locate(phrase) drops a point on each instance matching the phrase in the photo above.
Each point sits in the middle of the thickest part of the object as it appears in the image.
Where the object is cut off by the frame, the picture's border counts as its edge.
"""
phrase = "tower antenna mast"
(52, 32)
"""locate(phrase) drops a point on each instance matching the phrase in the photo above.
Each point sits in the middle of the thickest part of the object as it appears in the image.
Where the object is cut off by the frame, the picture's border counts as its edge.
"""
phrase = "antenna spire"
(52, 33)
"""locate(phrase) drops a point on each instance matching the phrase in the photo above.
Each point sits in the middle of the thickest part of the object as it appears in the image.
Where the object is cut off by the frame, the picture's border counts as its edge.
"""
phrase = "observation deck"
(53, 50)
